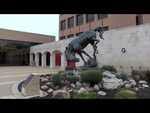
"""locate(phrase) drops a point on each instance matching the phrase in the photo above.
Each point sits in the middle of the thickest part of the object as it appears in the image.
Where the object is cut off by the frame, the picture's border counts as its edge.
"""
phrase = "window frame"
(90, 19)
(78, 21)
(62, 25)
(70, 19)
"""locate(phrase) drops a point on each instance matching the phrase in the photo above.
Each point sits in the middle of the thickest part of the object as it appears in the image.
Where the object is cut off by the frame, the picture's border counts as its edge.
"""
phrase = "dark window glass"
(139, 19)
(71, 22)
(101, 16)
(79, 19)
(89, 17)
(63, 25)
(70, 36)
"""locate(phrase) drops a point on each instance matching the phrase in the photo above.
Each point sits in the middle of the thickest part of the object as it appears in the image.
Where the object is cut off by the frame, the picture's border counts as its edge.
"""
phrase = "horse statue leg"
(91, 61)
(80, 54)
(86, 54)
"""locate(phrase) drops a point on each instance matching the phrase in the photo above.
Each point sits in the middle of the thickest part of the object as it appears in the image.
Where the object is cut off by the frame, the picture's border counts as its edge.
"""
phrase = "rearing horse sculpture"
(77, 45)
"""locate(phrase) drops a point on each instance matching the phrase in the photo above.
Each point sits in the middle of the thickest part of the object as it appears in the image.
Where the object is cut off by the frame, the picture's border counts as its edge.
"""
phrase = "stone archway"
(48, 55)
(40, 59)
(32, 59)
(46, 59)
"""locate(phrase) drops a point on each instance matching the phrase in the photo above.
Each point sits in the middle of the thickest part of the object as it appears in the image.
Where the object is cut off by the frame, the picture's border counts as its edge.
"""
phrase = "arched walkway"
(32, 59)
(46, 59)
(40, 59)
(48, 55)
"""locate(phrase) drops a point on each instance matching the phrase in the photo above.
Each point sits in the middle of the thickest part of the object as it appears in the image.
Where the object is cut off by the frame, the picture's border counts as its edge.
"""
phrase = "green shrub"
(109, 68)
(72, 79)
(62, 73)
(91, 76)
(140, 75)
(122, 76)
(57, 79)
(85, 95)
(125, 94)
(148, 75)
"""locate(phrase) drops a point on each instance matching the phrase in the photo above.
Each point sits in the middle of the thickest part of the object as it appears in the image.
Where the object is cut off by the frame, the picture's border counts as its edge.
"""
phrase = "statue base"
(71, 68)
(91, 63)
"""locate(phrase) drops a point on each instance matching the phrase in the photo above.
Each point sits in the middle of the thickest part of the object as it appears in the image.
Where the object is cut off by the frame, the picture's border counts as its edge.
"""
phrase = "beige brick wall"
(24, 36)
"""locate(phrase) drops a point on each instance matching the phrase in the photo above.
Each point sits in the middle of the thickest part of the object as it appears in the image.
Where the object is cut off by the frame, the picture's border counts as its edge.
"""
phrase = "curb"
(15, 90)
(19, 95)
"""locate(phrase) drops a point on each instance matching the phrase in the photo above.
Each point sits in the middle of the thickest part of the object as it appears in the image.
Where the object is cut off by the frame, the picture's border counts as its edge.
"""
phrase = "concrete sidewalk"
(10, 75)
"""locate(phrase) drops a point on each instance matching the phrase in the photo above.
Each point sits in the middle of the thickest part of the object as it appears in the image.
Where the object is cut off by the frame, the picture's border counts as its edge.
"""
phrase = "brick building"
(15, 46)
(73, 24)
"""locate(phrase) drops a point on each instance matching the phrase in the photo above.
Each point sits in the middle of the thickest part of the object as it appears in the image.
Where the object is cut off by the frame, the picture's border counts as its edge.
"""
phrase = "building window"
(102, 16)
(79, 19)
(79, 33)
(63, 25)
(70, 22)
(89, 18)
(70, 36)
(139, 19)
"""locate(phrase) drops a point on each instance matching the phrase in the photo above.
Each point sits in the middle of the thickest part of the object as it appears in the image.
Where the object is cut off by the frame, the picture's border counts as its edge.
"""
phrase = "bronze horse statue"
(78, 44)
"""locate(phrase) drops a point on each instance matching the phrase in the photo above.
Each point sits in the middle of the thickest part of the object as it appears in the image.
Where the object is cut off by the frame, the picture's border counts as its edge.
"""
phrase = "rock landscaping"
(103, 83)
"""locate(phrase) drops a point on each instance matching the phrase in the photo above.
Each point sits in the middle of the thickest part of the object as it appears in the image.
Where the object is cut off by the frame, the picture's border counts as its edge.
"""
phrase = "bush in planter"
(125, 94)
(148, 76)
(109, 68)
(122, 76)
(72, 79)
(140, 75)
(85, 95)
(91, 76)
(57, 79)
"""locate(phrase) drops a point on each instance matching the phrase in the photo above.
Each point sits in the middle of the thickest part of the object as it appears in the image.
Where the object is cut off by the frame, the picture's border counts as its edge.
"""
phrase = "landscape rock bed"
(109, 86)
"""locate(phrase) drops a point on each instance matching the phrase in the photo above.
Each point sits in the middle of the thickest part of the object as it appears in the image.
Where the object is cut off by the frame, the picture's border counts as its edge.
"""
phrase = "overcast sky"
(44, 24)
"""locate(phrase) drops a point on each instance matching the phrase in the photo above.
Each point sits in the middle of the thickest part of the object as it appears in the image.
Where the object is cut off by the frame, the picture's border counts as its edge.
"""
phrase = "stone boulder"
(43, 93)
(128, 85)
(101, 93)
(96, 87)
(112, 83)
(49, 83)
(78, 84)
(50, 90)
(82, 90)
(44, 87)
(145, 86)
(86, 85)
(61, 94)
(108, 74)
(44, 79)
(72, 85)
(132, 82)
(142, 82)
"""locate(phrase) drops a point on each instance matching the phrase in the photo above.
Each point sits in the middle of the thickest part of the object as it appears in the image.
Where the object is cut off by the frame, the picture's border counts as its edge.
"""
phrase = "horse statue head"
(99, 32)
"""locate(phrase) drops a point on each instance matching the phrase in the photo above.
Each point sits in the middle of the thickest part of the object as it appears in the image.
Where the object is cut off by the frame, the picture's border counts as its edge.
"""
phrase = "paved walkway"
(12, 74)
